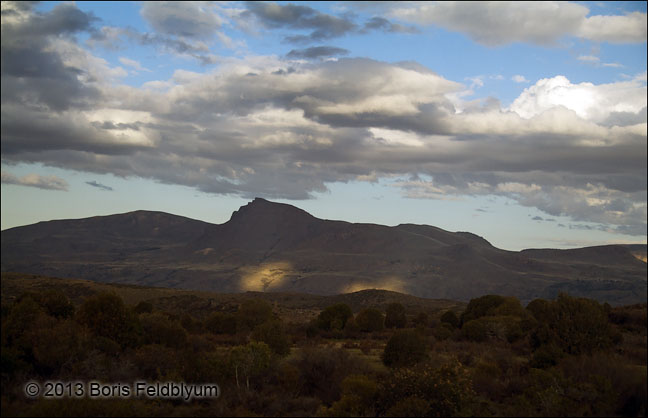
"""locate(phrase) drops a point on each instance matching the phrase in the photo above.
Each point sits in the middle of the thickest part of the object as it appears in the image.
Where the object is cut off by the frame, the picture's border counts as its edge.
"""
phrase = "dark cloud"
(185, 19)
(317, 52)
(99, 186)
(382, 24)
(34, 73)
(322, 26)
(537, 218)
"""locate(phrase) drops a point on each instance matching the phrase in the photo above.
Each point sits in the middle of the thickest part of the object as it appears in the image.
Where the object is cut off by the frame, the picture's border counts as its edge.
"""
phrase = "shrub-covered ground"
(564, 357)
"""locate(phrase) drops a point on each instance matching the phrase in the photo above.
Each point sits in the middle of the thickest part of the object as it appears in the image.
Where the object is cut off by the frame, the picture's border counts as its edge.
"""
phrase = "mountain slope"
(268, 246)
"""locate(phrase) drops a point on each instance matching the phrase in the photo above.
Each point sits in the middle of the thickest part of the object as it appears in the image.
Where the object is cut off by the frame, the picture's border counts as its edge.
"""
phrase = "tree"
(334, 317)
(425, 390)
(57, 304)
(274, 334)
(395, 316)
(481, 306)
(404, 348)
(253, 312)
(106, 315)
(221, 323)
(450, 318)
(581, 324)
(249, 361)
(370, 320)
(159, 329)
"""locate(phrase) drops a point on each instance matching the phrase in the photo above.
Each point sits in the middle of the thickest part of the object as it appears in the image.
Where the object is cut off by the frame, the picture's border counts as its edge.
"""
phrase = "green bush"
(395, 316)
(426, 390)
(157, 328)
(405, 348)
(221, 323)
(253, 312)
(370, 320)
(334, 317)
(274, 334)
(450, 318)
(106, 315)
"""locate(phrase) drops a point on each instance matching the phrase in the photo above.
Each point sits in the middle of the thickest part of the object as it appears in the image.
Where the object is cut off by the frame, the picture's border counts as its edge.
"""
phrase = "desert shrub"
(20, 319)
(106, 345)
(206, 367)
(57, 304)
(322, 371)
(541, 309)
(409, 407)
(421, 320)
(253, 312)
(504, 328)
(221, 323)
(443, 331)
(395, 316)
(334, 317)
(106, 315)
(155, 361)
(191, 324)
(546, 356)
(358, 397)
(274, 334)
(404, 348)
(492, 305)
(444, 390)
(249, 362)
(143, 307)
(370, 320)
(54, 343)
(157, 328)
(351, 328)
(475, 330)
(581, 325)
(450, 318)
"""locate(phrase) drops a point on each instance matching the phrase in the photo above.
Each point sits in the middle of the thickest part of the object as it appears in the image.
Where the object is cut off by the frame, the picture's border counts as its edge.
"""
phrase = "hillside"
(272, 247)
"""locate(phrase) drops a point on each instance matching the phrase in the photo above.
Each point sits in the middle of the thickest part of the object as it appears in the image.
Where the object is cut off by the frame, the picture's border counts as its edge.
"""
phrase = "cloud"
(590, 102)
(542, 23)
(322, 26)
(537, 218)
(283, 128)
(99, 186)
(380, 23)
(588, 58)
(317, 52)
(190, 19)
(35, 180)
(133, 64)
(33, 71)
(630, 28)
(519, 79)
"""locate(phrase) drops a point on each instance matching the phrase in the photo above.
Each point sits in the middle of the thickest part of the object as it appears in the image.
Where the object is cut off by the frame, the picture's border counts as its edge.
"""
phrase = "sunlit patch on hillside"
(393, 283)
(266, 277)
(205, 251)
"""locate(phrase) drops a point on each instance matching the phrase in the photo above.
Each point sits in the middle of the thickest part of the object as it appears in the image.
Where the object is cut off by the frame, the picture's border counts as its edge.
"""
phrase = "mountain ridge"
(268, 246)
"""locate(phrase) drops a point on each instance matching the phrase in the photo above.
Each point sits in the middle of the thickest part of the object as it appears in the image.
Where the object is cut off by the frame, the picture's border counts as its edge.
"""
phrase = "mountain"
(274, 247)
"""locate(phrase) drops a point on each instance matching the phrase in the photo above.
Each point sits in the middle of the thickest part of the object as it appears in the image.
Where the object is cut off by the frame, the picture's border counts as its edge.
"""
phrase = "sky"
(522, 122)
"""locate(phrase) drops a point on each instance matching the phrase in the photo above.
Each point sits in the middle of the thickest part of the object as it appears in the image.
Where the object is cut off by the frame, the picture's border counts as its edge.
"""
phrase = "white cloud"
(133, 64)
(544, 23)
(519, 79)
(35, 180)
(630, 28)
(588, 58)
(591, 102)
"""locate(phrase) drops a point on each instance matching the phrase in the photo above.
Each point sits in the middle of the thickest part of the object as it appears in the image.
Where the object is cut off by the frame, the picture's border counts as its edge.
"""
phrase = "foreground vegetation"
(493, 357)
